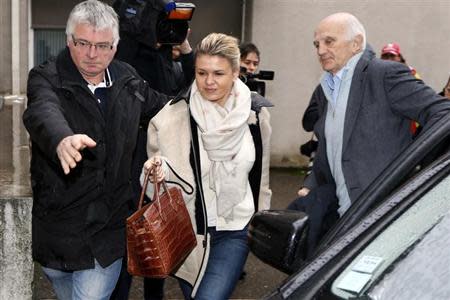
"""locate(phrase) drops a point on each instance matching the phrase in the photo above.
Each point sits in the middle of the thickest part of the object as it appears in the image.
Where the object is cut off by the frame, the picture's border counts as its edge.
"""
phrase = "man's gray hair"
(97, 14)
(354, 27)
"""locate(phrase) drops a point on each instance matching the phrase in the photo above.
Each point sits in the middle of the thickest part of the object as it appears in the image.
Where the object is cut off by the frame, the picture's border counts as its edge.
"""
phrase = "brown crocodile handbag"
(159, 234)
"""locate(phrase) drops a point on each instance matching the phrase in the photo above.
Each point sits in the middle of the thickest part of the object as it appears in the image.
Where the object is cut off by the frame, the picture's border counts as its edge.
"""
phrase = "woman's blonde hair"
(221, 45)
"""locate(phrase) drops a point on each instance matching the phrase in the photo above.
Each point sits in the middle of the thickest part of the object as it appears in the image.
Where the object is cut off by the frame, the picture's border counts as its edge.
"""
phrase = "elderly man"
(83, 115)
(364, 107)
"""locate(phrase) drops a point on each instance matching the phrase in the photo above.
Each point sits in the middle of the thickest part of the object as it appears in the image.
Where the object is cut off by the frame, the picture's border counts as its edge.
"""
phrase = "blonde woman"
(215, 136)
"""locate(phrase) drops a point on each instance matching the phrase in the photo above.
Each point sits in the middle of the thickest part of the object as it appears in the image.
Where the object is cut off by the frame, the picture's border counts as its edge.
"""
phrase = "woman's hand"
(153, 165)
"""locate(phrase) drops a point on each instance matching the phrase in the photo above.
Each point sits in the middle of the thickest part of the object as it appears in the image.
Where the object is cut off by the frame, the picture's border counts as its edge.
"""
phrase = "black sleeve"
(311, 114)
(44, 117)
(152, 101)
(152, 104)
(188, 65)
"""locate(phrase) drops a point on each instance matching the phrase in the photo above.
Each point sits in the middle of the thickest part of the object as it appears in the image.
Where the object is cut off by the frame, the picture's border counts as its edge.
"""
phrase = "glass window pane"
(400, 240)
(424, 272)
(47, 43)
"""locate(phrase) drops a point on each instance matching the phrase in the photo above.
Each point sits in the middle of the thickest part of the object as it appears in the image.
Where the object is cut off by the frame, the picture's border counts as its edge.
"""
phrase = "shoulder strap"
(147, 178)
(181, 179)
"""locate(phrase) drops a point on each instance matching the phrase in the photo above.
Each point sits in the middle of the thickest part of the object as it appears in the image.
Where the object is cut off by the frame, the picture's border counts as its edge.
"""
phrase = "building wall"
(214, 16)
(209, 16)
(51, 13)
(283, 30)
(5, 45)
(24, 44)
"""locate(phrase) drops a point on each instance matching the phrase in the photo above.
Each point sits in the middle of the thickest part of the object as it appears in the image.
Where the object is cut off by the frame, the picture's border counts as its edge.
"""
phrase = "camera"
(154, 22)
(251, 80)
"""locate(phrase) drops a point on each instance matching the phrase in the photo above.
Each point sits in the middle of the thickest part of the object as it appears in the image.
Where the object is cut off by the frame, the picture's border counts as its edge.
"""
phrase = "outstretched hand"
(68, 150)
(153, 165)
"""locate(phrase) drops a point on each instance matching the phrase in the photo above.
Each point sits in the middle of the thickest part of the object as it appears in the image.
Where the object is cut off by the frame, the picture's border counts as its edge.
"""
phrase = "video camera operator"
(149, 31)
(147, 45)
(156, 65)
(250, 59)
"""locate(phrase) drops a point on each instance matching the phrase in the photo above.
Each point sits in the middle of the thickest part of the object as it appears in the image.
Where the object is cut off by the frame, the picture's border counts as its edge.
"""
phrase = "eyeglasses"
(85, 45)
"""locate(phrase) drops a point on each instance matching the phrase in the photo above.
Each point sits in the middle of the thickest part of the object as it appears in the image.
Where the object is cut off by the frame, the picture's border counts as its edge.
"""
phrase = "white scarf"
(222, 134)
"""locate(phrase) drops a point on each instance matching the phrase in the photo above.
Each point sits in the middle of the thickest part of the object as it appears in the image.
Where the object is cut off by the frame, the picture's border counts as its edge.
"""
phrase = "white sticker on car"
(354, 281)
(367, 264)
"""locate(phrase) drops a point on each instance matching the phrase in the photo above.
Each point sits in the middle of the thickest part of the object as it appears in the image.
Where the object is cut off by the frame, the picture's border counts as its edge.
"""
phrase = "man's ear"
(357, 43)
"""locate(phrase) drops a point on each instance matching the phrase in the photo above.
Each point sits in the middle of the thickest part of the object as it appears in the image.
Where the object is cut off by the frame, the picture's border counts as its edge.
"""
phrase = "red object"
(413, 127)
(391, 48)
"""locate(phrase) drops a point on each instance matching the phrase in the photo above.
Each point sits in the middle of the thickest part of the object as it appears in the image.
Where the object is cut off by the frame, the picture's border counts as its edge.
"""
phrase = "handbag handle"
(156, 186)
(155, 193)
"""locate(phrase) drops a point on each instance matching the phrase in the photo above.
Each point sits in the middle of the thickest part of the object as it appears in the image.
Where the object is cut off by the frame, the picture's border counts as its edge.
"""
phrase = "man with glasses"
(84, 110)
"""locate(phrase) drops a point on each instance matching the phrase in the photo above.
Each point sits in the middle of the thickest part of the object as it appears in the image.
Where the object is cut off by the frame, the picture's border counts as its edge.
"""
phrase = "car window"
(403, 255)
(424, 273)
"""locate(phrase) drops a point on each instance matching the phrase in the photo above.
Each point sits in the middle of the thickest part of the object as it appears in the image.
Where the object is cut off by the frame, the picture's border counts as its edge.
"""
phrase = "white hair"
(96, 14)
(354, 28)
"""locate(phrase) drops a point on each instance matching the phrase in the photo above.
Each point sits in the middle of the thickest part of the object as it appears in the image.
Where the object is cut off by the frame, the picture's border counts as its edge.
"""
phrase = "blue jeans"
(153, 287)
(227, 256)
(90, 284)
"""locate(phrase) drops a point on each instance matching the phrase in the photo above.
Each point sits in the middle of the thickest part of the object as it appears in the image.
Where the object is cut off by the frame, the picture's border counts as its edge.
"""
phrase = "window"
(48, 43)
(409, 258)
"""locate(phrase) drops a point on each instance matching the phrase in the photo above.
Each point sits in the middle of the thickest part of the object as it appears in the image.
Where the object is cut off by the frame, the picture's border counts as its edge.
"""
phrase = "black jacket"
(156, 65)
(81, 216)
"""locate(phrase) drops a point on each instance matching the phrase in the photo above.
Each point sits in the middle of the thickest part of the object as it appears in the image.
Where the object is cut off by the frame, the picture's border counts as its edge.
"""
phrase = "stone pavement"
(260, 278)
